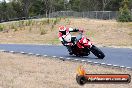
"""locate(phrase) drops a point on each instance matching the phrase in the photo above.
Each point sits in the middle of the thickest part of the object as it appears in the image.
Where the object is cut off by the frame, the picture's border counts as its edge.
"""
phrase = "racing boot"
(70, 53)
(70, 50)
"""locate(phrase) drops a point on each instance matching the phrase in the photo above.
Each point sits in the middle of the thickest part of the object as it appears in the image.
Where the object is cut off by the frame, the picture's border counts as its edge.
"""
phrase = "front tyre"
(97, 52)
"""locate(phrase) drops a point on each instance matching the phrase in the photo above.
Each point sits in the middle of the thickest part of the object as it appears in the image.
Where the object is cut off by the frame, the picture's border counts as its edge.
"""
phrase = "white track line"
(54, 56)
(95, 62)
(109, 64)
(45, 55)
(11, 51)
(61, 57)
(115, 65)
(102, 63)
(83, 60)
(128, 67)
(122, 66)
(22, 52)
(30, 53)
(69, 59)
(89, 61)
(76, 59)
(37, 54)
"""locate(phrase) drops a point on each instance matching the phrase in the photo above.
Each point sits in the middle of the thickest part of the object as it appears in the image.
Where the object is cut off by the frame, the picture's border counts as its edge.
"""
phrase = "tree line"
(26, 8)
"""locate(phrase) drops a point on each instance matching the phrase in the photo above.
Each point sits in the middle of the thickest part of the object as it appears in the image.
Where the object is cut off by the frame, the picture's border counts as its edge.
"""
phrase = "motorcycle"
(82, 46)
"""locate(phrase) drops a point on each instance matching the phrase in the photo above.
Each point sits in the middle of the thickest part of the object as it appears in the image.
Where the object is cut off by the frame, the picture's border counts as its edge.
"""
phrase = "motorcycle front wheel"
(97, 52)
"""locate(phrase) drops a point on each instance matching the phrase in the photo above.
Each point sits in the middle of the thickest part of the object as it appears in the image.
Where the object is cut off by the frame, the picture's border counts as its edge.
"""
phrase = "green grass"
(130, 34)
(44, 22)
(89, 33)
(29, 23)
(15, 29)
(42, 31)
(30, 29)
(1, 27)
(54, 41)
(23, 24)
(12, 26)
(130, 25)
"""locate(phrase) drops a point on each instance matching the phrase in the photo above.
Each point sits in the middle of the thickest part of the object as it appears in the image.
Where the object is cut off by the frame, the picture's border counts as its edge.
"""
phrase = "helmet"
(62, 28)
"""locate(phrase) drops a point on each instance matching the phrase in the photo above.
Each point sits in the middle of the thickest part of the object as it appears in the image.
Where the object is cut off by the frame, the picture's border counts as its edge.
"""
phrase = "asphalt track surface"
(114, 56)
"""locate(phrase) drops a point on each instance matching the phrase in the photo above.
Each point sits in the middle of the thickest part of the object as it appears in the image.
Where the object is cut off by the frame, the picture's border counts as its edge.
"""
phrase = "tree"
(26, 5)
(5, 11)
(59, 5)
(75, 5)
(17, 7)
(124, 12)
(113, 5)
(22, 7)
(105, 3)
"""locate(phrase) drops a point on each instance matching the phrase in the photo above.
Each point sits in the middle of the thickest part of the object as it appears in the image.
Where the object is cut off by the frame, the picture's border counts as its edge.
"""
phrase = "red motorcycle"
(82, 47)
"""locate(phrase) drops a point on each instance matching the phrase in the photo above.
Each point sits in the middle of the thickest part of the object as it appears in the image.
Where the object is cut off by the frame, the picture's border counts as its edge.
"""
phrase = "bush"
(29, 23)
(48, 21)
(124, 13)
(44, 22)
(12, 26)
(1, 28)
(42, 31)
(21, 23)
(15, 29)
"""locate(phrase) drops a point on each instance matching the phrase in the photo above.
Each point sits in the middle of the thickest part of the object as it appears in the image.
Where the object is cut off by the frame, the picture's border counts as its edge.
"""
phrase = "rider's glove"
(81, 30)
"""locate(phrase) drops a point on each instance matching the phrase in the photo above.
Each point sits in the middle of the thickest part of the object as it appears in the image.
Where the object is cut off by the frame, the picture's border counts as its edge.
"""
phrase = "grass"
(21, 23)
(55, 41)
(30, 29)
(129, 25)
(12, 26)
(44, 22)
(21, 71)
(1, 27)
(90, 33)
(25, 23)
(15, 29)
(29, 23)
(102, 32)
(42, 31)
(130, 34)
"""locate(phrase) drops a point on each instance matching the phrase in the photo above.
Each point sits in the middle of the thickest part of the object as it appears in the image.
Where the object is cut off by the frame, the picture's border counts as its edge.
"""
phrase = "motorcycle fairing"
(84, 42)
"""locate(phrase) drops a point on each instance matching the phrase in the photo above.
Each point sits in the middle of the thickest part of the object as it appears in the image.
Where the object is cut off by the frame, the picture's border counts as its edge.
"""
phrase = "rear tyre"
(97, 52)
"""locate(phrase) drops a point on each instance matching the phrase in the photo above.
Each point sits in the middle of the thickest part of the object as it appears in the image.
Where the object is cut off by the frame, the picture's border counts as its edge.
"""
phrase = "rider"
(66, 38)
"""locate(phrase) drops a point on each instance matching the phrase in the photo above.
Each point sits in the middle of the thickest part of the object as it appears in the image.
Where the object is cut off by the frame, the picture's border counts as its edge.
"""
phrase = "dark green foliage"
(59, 5)
(6, 11)
(42, 31)
(17, 7)
(37, 8)
(124, 12)
(75, 5)
(27, 8)
(113, 5)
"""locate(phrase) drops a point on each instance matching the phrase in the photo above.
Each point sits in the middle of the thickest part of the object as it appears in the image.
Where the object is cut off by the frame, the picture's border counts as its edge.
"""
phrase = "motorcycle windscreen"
(79, 37)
